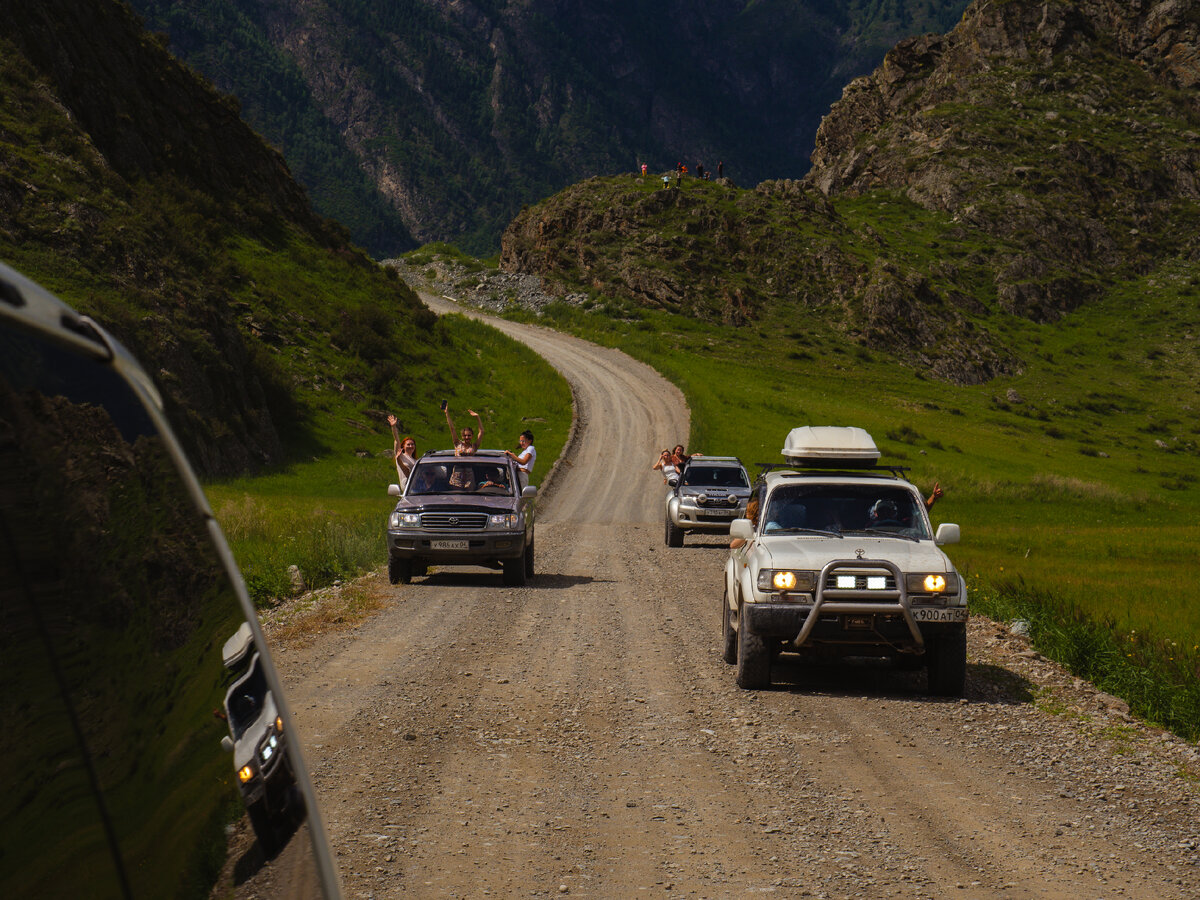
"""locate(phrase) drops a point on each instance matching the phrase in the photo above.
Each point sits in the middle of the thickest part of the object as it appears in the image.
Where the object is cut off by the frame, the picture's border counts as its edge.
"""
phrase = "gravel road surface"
(580, 736)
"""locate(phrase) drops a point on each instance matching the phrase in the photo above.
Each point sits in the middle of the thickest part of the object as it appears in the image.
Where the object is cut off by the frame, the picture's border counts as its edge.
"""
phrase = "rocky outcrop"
(1069, 132)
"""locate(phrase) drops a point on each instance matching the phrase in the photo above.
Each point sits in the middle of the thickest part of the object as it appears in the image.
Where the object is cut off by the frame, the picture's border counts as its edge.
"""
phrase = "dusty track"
(581, 735)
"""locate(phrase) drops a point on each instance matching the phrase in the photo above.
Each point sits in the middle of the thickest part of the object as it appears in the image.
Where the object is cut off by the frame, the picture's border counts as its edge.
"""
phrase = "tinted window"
(115, 606)
(715, 476)
(883, 508)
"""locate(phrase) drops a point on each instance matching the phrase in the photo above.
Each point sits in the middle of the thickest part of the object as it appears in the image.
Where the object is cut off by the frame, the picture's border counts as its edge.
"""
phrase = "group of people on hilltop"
(466, 442)
(681, 171)
(671, 461)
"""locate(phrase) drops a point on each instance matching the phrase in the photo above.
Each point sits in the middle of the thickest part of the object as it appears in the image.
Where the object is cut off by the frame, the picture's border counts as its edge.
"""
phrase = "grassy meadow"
(1075, 482)
(326, 514)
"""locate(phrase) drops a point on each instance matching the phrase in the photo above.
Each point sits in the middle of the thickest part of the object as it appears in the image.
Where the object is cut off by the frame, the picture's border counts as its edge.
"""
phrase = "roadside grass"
(1075, 481)
(326, 514)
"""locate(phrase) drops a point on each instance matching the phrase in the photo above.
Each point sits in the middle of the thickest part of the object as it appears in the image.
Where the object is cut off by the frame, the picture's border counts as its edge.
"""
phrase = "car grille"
(454, 521)
(730, 500)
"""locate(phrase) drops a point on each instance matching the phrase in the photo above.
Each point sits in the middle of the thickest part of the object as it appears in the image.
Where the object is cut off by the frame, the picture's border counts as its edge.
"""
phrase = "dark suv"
(462, 510)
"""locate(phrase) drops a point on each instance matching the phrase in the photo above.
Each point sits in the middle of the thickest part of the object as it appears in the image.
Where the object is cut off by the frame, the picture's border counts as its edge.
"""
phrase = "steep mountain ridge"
(1010, 171)
(460, 111)
(132, 188)
(1072, 129)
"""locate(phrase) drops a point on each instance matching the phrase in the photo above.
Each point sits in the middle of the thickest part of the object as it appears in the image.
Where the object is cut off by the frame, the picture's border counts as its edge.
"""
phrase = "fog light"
(846, 582)
(876, 582)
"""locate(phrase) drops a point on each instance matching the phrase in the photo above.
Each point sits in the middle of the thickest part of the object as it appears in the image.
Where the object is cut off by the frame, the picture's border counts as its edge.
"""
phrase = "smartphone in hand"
(443, 405)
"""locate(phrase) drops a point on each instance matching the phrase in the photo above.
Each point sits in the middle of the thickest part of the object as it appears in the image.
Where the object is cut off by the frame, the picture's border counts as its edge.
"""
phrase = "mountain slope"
(133, 189)
(459, 113)
(1033, 160)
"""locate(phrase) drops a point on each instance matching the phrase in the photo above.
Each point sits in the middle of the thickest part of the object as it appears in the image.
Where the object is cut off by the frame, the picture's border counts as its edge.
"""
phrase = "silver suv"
(706, 496)
(462, 510)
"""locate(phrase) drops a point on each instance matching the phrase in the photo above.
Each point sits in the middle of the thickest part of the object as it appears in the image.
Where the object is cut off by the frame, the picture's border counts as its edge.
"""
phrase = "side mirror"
(947, 533)
(741, 528)
(528, 491)
(227, 744)
(673, 481)
(394, 490)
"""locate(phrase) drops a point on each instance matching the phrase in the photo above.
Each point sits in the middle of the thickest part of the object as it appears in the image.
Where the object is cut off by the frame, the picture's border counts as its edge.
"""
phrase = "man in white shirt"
(526, 457)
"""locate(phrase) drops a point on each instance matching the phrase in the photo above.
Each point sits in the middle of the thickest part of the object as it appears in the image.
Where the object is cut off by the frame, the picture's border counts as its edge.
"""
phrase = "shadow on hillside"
(881, 678)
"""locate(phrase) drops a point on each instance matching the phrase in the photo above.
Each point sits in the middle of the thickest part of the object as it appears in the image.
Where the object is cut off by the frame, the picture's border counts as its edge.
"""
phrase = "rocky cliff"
(1020, 166)
(460, 111)
(1070, 131)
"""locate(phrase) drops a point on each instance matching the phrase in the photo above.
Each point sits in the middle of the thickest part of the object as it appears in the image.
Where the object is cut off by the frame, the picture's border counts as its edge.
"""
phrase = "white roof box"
(238, 648)
(830, 446)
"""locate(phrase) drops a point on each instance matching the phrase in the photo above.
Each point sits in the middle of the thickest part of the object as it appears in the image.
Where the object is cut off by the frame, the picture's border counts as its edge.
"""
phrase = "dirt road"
(580, 736)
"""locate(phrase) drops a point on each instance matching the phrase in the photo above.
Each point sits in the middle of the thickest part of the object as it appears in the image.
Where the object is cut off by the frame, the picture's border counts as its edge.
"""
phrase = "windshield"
(454, 477)
(246, 699)
(715, 476)
(846, 508)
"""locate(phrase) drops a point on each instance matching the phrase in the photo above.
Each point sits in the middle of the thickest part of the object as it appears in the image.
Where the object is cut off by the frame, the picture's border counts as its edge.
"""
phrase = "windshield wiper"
(836, 534)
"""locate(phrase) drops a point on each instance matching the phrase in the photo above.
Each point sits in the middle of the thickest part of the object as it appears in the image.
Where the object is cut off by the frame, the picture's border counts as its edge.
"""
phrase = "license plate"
(719, 514)
(950, 614)
(450, 545)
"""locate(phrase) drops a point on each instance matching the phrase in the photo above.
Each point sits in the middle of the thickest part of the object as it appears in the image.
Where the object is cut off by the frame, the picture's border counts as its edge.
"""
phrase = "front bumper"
(830, 617)
(465, 548)
(698, 518)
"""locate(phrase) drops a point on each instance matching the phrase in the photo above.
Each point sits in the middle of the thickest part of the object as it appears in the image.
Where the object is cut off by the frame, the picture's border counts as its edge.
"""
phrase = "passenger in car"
(404, 450)
(526, 457)
(467, 440)
(665, 464)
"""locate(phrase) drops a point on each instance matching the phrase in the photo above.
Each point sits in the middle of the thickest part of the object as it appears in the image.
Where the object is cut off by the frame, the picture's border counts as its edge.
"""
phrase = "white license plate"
(450, 545)
(951, 614)
(718, 513)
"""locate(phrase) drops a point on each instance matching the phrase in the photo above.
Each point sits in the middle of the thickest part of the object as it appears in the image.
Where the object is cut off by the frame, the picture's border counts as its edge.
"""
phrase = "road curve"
(623, 409)
(580, 735)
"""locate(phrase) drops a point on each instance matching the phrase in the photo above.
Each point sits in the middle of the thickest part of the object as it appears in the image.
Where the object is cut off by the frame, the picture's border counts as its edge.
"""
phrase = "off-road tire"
(400, 570)
(514, 571)
(529, 560)
(729, 647)
(946, 663)
(674, 534)
(753, 656)
(265, 829)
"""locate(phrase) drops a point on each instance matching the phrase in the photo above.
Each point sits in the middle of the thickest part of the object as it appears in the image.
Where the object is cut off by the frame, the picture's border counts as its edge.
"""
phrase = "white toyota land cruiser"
(842, 562)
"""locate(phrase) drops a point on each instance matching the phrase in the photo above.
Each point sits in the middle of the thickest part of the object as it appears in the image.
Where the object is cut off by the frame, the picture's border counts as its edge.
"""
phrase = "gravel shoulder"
(581, 736)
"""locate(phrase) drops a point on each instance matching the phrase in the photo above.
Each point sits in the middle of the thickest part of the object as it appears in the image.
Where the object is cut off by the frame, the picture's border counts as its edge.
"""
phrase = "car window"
(116, 603)
(715, 476)
(884, 508)
(453, 476)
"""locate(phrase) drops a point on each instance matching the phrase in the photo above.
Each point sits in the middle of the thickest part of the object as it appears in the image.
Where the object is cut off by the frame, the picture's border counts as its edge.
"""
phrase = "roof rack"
(455, 453)
(815, 470)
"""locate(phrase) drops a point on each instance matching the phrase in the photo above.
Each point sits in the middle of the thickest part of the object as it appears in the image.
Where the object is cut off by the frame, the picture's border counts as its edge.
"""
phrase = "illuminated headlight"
(404, 520)
(269, 747)
(245, 773)
(933, 583)
(785, 580)
(504, 520)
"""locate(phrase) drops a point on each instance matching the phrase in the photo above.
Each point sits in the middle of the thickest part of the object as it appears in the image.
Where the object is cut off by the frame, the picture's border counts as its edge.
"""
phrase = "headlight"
(504, 520)
(933, 583)
(785, 580)
(404, 520)
(279, 724)
(245, 773)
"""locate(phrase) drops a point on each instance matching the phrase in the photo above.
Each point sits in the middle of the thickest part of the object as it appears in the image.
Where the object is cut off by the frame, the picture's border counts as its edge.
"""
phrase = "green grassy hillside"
(133, 190)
